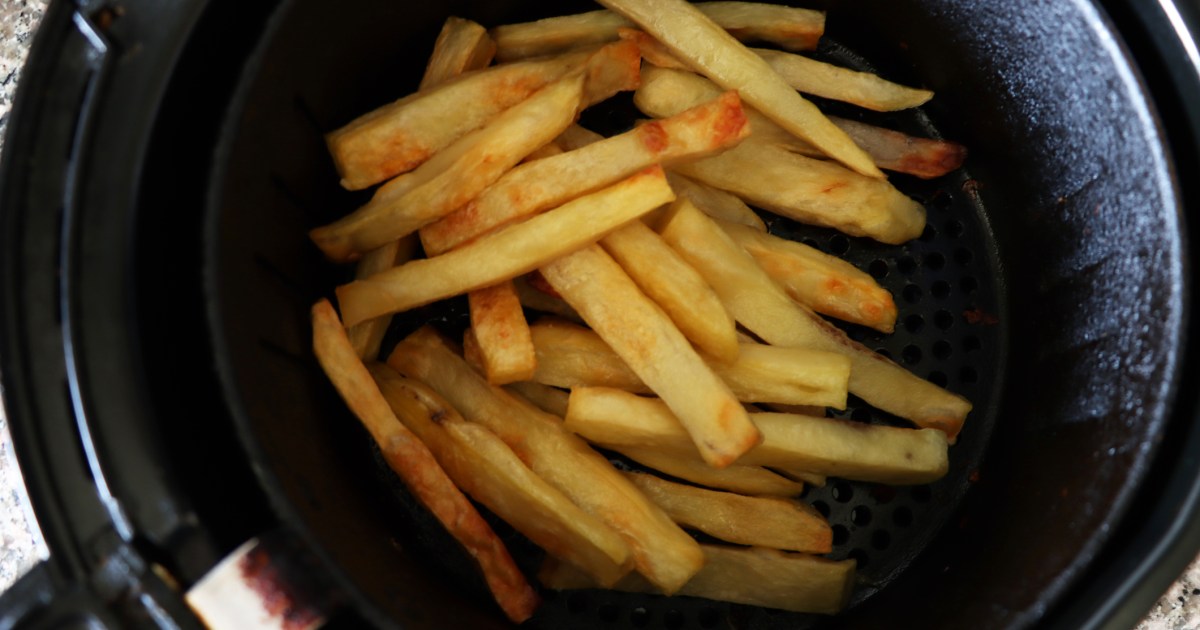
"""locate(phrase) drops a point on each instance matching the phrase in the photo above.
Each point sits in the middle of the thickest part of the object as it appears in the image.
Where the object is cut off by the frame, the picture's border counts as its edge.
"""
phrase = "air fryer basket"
(1047, 288)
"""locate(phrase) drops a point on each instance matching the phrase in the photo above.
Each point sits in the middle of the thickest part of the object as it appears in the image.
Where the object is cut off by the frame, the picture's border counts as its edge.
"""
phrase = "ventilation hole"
(906, 265)
(880, 539)
(941, 200)
(941, 349)
(968, 284)
(929, 234)
(578, 603)
(639, 617)
(883, 352)
(911, 355)
(839, 244)
(878, 269)
(940, 289)
(861, 414)
(840, 535)
(963, 256)
(902, 516)
(970, 343)
(921, 494)
(859, 556)
(943, 320)
(968, 375)
(709, 617)
(861, 516)
(954, 228)
(912, 294)
(673, 619)
(914, 323)
(608, 612)
(883, 494)
(821, 507)
(935, 261)
(939, 379)
(811, 243)
(842, 492)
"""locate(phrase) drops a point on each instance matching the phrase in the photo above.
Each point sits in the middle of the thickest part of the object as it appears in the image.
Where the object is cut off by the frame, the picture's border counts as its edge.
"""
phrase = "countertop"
(20, 545)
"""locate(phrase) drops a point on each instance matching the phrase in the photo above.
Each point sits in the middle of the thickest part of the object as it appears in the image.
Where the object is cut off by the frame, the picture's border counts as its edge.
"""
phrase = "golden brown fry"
(400, 136)
(661, 551)
(827, 446)
(824, 283)
(702, 130)
(367, 336)
(895, 151)
(812, 479)
(487, 470)
(756, 521)
(646, 339)
(811, 191)
(753, 480)
(714, 202)
(665, 92)
(505, 254)
(461, 46)
(757, 303)
(672, 283)
(501, 334)
(792, 29)
(416, 466)
(548, 399)
(538, 299)
(703, 45)
(843, 84)
(483, 156)
(573, 356)
(753, 576)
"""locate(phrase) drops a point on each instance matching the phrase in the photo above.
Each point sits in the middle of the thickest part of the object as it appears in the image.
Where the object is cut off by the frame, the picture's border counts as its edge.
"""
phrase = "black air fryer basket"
(165, 162)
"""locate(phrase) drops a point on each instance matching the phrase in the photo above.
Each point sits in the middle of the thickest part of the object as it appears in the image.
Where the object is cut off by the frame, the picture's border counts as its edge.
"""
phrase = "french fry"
(672, 283)
(714, 202)
(900, 152)
(484, 155)
(548, 399)
(699, 131)
(416, 466)
(699, 42)
(571, 356)
(864, 89)
(500, 334)
(398, 137)
(646, 339)
(538, 300)
(367, 336)
(753, 480)
(824, 283)
(755, 521)
(812, 479)
(505, 254)
(811, 191)
(754, 576)
(792, 29)
(665, 92)
(486, 469)
(810, 76)
(827, 446)
(576, 137)
(661, 551)
(760, 305)
(461, 46)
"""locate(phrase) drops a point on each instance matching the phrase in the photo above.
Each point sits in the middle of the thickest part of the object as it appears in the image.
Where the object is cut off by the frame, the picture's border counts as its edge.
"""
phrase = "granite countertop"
(20, 544)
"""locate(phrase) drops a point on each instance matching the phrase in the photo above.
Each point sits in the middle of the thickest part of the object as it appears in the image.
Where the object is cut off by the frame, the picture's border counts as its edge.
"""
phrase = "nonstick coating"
(1046, 289)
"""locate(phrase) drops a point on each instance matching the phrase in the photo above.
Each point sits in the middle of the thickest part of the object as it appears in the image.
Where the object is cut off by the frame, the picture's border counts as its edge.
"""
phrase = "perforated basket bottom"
(951, 330)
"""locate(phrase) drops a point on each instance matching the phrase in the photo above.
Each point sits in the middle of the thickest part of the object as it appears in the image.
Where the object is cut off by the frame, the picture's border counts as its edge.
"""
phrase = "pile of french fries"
(624, 295)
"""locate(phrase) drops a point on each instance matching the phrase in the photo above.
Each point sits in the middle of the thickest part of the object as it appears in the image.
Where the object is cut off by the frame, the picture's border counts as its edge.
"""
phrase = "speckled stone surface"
(21, 547)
